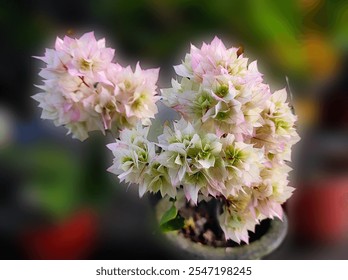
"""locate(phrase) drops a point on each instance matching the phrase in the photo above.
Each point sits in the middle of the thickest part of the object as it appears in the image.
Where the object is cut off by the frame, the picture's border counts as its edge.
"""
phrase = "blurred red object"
(319, 210)
(73, 238)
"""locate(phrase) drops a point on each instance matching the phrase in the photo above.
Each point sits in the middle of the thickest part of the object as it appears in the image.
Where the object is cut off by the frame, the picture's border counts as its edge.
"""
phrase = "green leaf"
(171, 220)
(169, 215)
(174, 224)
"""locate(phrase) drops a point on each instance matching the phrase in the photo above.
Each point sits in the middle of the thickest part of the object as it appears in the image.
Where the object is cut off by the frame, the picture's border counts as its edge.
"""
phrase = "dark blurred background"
(56, 199)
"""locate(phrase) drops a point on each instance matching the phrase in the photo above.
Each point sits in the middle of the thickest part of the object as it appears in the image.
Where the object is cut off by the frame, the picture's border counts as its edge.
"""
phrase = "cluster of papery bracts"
(84, 90)
(233, 142)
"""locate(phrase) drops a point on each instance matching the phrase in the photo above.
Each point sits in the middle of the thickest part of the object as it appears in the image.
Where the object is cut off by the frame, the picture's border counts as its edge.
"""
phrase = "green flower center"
(85, 65)
(138, 103)
(197, 178)
(222, 116)
(126, 159)
(143, 156)
(281, 124)
(203, 103)
(233, 156)
(222, 91)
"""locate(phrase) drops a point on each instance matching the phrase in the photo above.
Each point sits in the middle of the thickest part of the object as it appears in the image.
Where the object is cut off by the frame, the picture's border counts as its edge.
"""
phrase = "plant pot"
(319, 210)
(185, 248)
(73, 238)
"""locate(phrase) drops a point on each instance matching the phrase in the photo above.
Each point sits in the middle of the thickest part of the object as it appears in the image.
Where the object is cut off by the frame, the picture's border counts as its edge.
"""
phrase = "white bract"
(84, 90)
(232, 143)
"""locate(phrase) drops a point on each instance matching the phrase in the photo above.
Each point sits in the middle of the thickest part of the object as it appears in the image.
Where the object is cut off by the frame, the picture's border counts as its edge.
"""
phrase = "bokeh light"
(56, 189)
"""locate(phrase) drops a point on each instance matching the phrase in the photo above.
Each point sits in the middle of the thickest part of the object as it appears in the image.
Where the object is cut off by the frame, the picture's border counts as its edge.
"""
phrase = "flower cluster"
(84, 90)
(232, 143)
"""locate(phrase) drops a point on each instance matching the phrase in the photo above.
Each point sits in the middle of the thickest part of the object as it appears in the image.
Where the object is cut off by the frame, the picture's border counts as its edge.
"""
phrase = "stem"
(214, 210)
(83, 81)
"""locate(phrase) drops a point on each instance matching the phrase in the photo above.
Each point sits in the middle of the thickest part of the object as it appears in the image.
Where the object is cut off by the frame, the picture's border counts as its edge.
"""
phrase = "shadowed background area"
(57, 200)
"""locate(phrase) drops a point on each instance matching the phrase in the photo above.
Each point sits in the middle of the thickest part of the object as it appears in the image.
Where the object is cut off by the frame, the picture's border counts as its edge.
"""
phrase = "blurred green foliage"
(48, 177)
(280, 33)
(304, 40)
(301, 39)
(54, 180)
